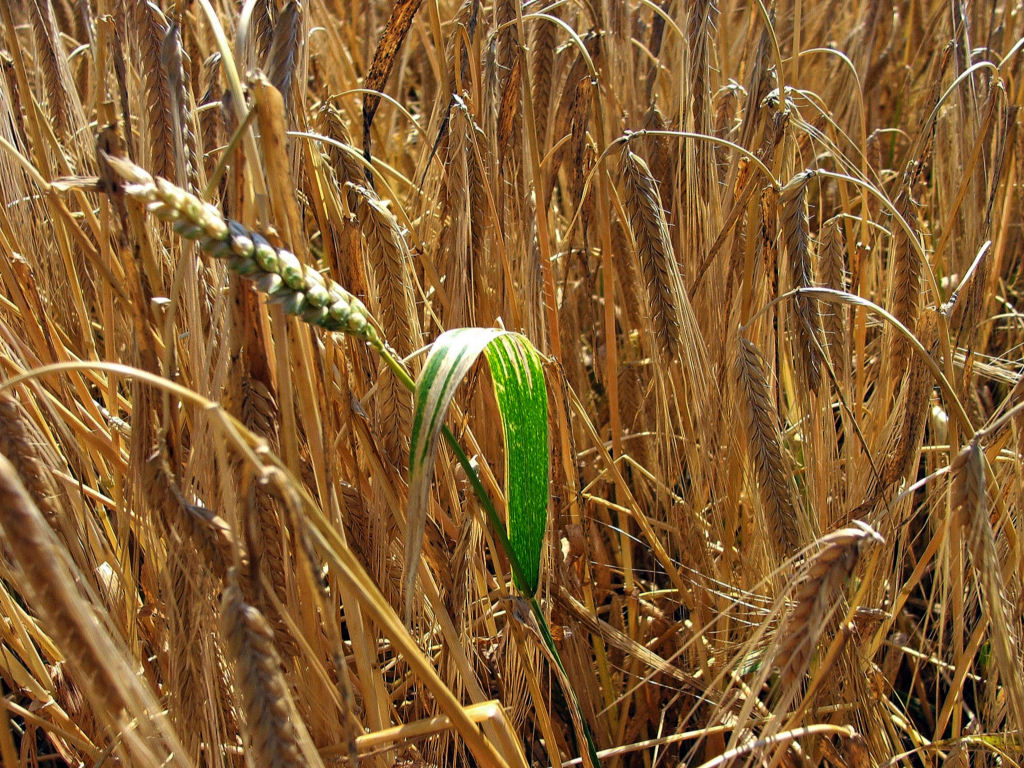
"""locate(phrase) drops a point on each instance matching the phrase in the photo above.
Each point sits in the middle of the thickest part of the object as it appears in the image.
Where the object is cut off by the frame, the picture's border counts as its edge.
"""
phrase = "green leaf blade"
(518, 376)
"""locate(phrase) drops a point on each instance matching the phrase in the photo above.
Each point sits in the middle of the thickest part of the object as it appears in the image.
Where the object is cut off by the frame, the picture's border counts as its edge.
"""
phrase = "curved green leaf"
(518, 376)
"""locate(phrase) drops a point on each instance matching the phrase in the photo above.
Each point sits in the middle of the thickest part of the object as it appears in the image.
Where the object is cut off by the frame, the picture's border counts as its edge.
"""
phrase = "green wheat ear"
(298, 288)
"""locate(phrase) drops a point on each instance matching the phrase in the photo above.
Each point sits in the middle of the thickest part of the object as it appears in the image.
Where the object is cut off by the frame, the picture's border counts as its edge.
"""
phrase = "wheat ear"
(159, 113)
(347, 169)
(390, 264)
(264, 527)
(47, 578)
(455, 239)
(391, 261)
(65, 107)
(542, 63)
(662, 281)
(275, 732)
(300, 290)
(906, 278)
(816, 601)
(211, 121)
(809, 340)
(769, 237)
(24, 446)
(765, 440)
(286, 44)
(906, 424)
(832, 274)
(172, 60)
(255, 31)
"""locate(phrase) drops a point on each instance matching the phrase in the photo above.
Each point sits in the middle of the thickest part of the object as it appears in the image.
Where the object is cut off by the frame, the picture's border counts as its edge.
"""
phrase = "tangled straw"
(304, 292)
(298, 288)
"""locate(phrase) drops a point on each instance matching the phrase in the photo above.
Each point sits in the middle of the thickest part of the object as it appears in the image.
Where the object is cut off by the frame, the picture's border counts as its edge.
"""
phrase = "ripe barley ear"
(158, 114)
(275, 733)
(815, 600)
(806, 315)
(27, 450)
(764, 440)
(832, 274)
(662, 281)
(285, 50)
(905, 278)
(63, 101)
(390, 263)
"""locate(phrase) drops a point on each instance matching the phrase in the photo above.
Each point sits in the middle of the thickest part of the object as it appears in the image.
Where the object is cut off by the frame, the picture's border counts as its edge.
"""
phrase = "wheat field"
(768, 253)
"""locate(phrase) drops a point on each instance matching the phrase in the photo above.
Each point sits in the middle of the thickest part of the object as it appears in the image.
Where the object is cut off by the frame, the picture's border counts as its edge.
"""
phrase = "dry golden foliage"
(707, 215)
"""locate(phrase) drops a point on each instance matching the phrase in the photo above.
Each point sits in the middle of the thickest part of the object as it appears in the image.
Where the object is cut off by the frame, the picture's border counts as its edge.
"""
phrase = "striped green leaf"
(518, 377)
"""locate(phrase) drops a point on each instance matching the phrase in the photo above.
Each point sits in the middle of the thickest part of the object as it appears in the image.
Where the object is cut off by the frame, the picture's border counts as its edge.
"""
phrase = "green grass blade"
(518, 378)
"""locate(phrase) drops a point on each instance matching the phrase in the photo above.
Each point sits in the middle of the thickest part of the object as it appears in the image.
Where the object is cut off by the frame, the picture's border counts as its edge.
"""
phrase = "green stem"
(569, 693)
(485, 500)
